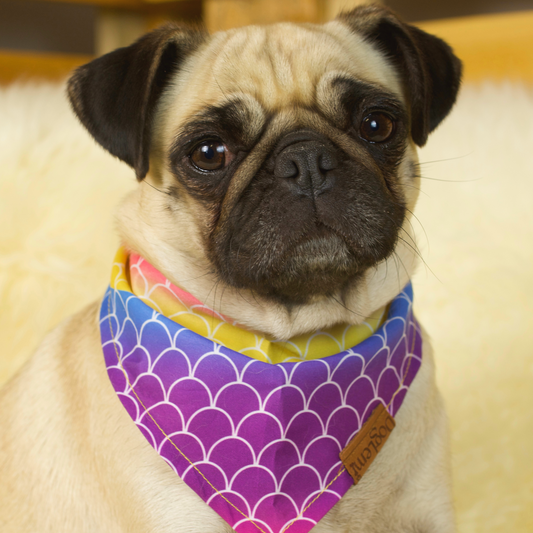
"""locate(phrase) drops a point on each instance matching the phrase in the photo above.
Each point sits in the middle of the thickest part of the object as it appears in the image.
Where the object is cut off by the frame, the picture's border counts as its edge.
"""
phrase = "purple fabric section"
(257, 442)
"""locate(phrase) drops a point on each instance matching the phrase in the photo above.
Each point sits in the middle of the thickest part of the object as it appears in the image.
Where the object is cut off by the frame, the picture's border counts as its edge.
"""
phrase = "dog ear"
(115, 95)
(430, 72)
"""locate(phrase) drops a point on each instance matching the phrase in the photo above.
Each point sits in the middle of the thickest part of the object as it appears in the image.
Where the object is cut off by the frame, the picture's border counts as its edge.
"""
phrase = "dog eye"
(377, 128)
(209, 155)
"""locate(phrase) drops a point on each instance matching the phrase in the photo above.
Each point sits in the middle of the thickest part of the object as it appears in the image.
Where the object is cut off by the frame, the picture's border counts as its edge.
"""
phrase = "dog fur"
(70, 458)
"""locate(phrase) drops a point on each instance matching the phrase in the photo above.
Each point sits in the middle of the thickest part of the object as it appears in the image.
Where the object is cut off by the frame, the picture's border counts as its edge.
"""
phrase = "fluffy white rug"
(58, 190)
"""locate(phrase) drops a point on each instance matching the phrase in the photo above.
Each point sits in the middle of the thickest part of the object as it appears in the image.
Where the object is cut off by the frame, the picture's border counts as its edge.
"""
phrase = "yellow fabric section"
(120, 279)
(142, 279)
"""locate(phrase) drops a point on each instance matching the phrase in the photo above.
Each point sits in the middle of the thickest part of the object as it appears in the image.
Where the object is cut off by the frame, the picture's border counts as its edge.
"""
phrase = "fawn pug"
(277, 175)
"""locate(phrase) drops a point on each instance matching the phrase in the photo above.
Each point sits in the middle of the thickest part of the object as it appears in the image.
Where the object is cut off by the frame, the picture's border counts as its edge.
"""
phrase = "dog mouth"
(320, 263)
(317, 263)
(323, 250)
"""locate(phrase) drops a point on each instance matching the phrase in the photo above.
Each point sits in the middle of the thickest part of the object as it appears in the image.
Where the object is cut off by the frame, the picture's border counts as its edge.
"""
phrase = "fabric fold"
(258, 442)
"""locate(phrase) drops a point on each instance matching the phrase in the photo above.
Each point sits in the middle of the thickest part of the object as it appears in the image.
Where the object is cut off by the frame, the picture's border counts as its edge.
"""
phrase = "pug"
(278, 174)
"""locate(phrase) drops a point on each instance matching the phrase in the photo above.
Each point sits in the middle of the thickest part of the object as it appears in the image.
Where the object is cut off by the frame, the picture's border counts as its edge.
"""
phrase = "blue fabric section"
(197, 346)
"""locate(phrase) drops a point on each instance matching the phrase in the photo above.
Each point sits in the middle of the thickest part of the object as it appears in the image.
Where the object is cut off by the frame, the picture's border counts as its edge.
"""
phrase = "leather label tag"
(364, 447)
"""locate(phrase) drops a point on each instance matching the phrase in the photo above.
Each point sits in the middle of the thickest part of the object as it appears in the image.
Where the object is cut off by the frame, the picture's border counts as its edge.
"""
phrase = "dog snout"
(306, 165)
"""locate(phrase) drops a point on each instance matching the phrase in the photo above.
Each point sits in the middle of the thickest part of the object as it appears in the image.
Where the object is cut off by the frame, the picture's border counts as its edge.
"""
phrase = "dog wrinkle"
(269, 81)
(288, 73)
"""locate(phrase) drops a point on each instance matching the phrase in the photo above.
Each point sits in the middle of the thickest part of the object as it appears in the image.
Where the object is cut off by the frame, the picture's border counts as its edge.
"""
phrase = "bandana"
(155, 290)
(258, 442)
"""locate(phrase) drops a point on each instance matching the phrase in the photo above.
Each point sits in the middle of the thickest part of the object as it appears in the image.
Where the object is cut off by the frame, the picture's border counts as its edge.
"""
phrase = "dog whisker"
(154, 187)
(421, 163)
(346, 308)
(420, 224)
(449, 181)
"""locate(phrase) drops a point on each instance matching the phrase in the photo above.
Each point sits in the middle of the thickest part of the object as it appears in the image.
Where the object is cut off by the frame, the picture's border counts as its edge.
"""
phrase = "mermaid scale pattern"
(258, 442)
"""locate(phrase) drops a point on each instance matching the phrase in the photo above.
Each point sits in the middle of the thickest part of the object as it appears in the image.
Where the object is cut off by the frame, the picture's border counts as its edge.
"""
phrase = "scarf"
(258, 440)
(148, 284)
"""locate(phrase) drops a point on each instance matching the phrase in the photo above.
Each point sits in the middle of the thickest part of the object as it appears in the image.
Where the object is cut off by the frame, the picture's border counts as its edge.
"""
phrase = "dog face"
(292, 161)
(282, 159)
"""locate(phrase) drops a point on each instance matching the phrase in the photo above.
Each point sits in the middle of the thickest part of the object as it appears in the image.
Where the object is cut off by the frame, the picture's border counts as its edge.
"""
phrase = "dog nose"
(305, 166)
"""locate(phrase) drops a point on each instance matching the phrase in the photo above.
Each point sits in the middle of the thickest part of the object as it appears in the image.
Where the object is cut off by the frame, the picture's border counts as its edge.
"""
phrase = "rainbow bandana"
(253, 425)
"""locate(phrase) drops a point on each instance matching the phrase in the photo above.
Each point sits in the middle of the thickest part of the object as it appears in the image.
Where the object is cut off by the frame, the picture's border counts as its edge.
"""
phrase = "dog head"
(277, 164)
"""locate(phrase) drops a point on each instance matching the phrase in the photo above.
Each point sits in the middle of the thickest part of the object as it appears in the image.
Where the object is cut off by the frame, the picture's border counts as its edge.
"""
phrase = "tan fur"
(71, 459)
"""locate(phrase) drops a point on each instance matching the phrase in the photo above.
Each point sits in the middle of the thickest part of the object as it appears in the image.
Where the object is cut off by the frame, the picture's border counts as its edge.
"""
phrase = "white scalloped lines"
(257, 442)
(135, 274)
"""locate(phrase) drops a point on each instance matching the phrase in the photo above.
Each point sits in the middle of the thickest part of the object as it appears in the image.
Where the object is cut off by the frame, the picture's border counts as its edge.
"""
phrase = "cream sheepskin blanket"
(474, 294)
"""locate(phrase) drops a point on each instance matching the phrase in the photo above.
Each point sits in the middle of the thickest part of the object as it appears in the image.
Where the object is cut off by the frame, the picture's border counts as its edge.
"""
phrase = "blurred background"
(473, 291)
(47, 38)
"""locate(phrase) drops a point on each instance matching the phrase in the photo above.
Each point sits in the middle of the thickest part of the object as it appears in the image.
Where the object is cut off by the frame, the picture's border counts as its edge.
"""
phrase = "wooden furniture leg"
(224, 14)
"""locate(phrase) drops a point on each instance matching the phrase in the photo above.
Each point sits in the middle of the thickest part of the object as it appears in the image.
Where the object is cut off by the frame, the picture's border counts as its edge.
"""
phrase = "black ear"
(115, 95)
(430, 71)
